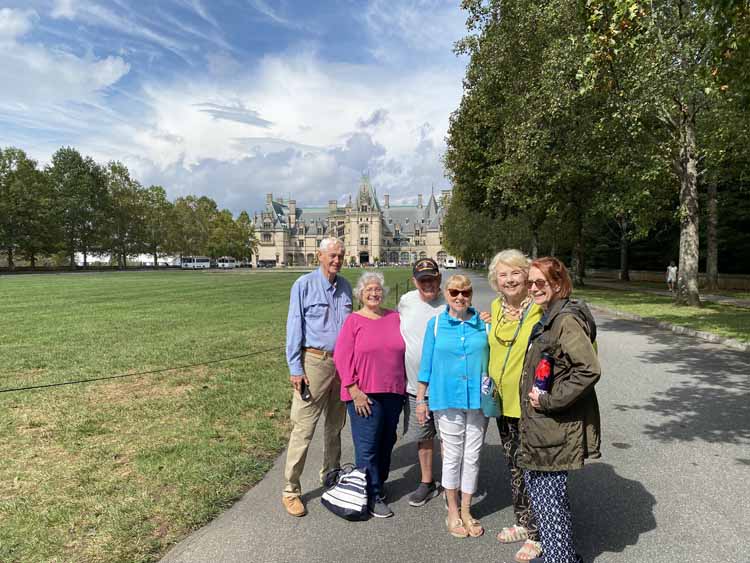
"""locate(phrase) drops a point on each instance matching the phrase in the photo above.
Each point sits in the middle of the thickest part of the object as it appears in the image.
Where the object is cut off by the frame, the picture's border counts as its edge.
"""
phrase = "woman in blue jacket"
(454, 360)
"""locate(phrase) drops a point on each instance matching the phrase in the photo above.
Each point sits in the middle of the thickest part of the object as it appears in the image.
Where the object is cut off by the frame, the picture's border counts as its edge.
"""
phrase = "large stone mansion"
(372, 232)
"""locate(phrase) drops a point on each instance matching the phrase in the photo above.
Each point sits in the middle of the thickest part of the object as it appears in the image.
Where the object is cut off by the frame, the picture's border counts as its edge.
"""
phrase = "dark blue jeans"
(374, 437)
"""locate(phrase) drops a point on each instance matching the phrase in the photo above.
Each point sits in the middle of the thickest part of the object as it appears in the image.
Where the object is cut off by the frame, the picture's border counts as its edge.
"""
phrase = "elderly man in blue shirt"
(320, 302)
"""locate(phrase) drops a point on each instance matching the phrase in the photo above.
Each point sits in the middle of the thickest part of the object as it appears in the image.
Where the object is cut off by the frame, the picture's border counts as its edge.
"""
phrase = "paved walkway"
(625, 286)
(671, 486)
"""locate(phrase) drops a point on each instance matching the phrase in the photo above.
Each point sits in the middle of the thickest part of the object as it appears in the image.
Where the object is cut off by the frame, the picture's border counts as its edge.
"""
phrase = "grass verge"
(724, 320)
(118, 471)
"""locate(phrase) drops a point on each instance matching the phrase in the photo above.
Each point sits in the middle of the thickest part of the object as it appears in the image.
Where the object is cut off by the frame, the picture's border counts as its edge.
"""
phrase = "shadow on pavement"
(710, 399)
(610, 512)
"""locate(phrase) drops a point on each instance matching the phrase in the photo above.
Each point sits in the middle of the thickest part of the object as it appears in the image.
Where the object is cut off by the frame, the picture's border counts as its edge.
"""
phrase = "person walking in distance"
(416, 308)
(671, 276)
(319, 304)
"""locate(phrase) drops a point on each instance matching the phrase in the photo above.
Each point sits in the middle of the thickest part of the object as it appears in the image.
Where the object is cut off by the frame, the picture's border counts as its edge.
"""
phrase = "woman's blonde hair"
(509, 257)
(458, 281)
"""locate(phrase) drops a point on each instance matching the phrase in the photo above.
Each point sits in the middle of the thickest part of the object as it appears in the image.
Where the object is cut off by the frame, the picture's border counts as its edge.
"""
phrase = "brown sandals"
(473, 526)
(456, 528)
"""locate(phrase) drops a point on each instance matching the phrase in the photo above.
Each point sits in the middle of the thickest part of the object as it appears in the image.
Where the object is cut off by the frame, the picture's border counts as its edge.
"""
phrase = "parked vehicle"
(195, 263)
(450, 262)
(226, 263)
(266, 263)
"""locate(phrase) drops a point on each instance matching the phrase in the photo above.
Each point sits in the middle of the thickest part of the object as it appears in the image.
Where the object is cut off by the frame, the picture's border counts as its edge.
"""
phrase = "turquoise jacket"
(454, 362)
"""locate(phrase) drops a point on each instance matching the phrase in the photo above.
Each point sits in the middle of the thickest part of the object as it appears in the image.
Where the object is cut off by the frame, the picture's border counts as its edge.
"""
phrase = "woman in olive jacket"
(559, 423)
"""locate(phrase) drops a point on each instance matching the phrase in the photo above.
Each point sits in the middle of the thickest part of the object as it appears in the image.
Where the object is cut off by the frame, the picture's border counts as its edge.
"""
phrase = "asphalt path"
(673, 484)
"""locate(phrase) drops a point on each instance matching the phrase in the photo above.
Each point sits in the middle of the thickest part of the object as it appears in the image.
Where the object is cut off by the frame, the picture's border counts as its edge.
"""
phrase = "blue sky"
(237, 98)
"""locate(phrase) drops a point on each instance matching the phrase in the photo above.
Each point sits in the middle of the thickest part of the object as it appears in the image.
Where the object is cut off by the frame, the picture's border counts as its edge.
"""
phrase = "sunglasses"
(540, 283)
(464, 292)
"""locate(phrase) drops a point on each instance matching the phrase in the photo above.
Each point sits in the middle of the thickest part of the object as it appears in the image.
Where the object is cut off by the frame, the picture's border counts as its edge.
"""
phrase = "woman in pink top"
(369, 357)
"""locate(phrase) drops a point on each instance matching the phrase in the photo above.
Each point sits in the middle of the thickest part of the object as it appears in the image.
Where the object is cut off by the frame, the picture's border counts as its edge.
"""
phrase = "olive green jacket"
(566, 428)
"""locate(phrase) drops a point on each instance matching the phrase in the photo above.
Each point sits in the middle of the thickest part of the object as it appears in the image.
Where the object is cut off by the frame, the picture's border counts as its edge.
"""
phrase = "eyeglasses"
(540, 283)
(464, 292)
(376, 290)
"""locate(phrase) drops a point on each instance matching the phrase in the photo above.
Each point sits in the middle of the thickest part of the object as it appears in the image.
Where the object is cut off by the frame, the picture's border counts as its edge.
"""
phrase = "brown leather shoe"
(294, 506)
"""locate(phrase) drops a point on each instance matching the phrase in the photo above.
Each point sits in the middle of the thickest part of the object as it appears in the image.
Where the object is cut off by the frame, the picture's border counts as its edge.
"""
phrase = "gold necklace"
(512, 313)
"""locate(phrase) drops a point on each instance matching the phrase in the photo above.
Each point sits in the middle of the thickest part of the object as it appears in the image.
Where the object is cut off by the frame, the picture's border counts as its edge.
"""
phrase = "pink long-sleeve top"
(370, 353)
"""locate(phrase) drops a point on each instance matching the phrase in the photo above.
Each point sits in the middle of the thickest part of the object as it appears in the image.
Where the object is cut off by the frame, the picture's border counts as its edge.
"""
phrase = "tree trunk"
(534, 242)
(687, 278)
(712, 242)
(579, 265)
(73, 261)
(624, 249)
(11, 264)
(553, 246)
(156, 259)
(32, 261)
(85, 259)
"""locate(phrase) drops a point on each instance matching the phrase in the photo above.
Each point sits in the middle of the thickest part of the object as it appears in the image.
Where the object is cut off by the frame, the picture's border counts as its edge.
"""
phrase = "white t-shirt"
(671, 273)
(415, 314)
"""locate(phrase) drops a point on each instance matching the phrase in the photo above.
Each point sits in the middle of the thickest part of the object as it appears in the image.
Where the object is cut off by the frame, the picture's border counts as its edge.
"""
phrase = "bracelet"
(423, 402)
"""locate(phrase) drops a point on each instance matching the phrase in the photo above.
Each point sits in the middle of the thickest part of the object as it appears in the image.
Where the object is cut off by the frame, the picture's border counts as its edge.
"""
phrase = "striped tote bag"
(347, 495)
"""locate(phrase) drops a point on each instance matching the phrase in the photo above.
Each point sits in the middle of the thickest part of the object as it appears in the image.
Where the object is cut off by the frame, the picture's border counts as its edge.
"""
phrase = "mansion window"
(266, 237)
(364, 229)
(363, 241)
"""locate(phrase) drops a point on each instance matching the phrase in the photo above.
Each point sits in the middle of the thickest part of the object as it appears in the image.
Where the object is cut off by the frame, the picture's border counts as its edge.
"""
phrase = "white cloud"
(290, 122)
(33, 74)
(64, 9)
(263, 7)
(425, 26)
(15, 23)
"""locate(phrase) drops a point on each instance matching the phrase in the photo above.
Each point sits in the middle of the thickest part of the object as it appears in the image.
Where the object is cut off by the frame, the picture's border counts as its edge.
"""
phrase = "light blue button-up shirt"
(454, 362)
(317, 311)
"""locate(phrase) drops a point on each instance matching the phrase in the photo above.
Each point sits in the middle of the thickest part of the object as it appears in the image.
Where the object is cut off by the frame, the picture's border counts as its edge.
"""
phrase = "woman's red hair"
(555, 273)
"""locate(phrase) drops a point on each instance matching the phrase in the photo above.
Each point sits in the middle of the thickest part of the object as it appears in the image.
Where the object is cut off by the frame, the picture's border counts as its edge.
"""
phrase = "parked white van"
(450, 262)
(226, 263)
(195, 263)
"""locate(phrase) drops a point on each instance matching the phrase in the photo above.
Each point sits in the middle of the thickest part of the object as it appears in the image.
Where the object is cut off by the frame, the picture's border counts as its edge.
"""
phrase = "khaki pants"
(325, 388)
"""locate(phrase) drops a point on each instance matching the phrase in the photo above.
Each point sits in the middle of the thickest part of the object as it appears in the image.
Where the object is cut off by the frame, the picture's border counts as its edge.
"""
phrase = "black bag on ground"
(347, 495)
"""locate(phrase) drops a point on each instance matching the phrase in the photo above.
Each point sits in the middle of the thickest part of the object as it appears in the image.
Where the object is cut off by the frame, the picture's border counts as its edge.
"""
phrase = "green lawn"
(734, 293)
(725, 320)
(120, 470)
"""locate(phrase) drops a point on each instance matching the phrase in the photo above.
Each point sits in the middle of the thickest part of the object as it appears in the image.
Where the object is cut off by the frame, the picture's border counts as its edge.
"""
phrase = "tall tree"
(520, 143)
(247, 244)
(662, 60)
(157, 218)
(26, 226)
(125, 225)
(80, 193)
(190, 228)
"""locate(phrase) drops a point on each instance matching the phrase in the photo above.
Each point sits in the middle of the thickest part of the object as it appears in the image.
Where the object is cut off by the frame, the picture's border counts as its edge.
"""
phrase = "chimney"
(419, 201)
(269, 199)
(333, 205)
(387, 200)
(292, 212)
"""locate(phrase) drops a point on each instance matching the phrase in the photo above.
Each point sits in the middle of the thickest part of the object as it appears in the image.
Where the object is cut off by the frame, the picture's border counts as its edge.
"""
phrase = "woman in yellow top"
(514, 314)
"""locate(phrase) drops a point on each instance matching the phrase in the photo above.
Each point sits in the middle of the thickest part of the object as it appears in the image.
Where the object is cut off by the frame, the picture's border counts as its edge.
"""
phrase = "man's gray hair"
(366, 279)
(328, 242)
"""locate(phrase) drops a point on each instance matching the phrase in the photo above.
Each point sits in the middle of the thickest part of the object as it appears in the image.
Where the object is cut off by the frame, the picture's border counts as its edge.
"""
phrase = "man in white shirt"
(416, 309)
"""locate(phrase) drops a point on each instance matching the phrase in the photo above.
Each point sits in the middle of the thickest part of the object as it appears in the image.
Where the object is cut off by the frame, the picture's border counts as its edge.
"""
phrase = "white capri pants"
(462, 434)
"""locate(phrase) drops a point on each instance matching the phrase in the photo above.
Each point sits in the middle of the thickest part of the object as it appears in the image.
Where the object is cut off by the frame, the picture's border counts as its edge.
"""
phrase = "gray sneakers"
(379, 509)
(424, 492)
